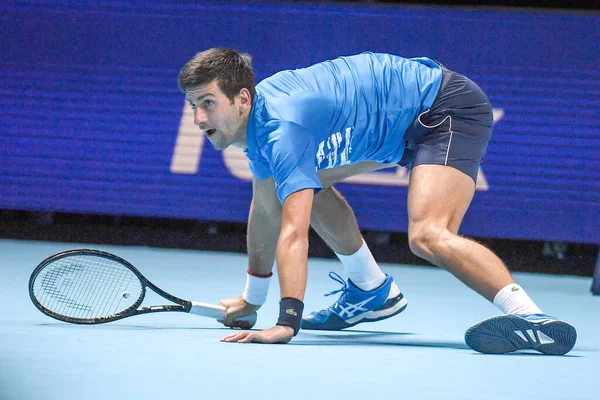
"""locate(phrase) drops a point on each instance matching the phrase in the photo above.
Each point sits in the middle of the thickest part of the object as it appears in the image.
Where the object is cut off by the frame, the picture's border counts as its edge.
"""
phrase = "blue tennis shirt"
(334, 113)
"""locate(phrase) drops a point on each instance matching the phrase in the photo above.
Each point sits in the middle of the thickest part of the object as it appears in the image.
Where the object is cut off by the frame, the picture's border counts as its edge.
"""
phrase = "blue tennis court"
(98, 145)
(419, 354)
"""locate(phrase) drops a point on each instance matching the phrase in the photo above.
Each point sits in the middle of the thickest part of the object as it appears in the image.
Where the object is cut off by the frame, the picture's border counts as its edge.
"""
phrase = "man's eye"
(193, 106)
(208, 103)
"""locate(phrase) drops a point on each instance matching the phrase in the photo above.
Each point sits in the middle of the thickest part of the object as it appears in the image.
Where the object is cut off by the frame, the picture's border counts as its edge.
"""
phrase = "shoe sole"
(508, 333)
(369, 316)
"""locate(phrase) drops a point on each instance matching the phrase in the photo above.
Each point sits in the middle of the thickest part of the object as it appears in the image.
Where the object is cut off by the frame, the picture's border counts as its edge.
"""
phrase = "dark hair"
(232, 71)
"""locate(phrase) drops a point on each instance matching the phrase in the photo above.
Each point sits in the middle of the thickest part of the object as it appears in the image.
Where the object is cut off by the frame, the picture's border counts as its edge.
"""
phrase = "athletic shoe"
(355, 306)
(512, 332)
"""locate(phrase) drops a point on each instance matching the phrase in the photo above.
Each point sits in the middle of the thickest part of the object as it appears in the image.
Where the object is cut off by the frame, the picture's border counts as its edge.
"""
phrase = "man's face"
(223, 122)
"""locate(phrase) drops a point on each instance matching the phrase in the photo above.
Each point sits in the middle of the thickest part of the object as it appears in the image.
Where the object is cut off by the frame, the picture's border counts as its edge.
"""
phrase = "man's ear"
(245, 99)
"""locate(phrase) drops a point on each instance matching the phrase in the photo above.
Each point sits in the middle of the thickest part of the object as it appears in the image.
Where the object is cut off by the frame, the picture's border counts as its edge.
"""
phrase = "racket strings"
(50, 287)
(87, 287)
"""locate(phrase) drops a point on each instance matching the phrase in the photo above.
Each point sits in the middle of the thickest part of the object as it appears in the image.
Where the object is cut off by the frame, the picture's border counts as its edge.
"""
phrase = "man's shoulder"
(296, 107)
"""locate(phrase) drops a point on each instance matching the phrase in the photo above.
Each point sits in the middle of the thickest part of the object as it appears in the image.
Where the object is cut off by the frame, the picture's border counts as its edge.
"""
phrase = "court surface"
(419, 354)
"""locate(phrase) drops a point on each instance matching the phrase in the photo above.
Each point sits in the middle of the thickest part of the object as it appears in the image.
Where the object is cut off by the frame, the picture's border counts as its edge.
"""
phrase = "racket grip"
(216, 312)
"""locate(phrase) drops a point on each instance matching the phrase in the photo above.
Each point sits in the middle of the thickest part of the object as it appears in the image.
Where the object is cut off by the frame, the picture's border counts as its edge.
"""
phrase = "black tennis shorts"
(455, 131)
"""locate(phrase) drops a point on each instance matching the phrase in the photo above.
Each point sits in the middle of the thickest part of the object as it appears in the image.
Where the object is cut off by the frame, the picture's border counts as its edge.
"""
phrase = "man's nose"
(200, 117)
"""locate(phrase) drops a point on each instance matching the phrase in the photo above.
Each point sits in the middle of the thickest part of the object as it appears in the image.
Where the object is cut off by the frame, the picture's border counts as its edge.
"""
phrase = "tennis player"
(377, 108)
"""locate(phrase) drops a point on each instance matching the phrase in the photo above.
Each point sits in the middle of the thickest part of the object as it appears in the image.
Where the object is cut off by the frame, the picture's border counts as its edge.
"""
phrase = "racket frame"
(181, 305)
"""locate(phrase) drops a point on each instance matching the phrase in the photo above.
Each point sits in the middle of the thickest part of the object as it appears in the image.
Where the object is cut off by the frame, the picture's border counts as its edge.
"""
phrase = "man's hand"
(237, 307)
(277, 334)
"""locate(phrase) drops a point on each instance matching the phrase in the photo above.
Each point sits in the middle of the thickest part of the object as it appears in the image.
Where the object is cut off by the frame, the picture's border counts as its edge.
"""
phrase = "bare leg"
(438, 198)
(332, 218)
(334, 221)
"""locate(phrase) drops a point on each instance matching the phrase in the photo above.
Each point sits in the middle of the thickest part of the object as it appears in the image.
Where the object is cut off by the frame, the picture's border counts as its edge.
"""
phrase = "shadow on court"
(344, 338)
(528, 353)
(312, 338)
(373, 338)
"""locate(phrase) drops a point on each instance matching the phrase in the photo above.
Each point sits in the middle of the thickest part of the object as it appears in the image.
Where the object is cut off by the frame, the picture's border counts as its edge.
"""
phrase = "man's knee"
(425, 239)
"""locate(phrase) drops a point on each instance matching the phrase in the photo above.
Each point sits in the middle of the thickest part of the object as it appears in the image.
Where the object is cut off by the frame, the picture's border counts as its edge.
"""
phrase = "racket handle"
(216, 312)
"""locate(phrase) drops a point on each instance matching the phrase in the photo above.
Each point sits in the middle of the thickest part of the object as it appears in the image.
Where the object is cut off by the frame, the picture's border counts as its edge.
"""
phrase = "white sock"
(362, 269)
(512, 299)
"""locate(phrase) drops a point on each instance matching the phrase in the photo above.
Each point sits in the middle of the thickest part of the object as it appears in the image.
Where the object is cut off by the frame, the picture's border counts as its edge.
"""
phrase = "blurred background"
(97, 145)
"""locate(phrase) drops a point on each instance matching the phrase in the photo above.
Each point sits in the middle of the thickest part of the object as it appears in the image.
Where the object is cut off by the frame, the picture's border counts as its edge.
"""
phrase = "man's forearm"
(263, 232)
(292, 247)
(292, 263)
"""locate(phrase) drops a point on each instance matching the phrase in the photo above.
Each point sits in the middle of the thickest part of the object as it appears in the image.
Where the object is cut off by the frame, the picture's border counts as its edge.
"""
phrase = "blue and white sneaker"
(355, 306)
(512, 332)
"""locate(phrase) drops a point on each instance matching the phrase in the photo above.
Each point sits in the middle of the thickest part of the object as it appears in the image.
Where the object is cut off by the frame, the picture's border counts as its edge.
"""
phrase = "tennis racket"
(86, 286)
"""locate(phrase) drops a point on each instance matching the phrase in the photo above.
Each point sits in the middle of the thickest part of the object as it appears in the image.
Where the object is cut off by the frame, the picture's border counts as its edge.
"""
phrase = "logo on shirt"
(335, 151)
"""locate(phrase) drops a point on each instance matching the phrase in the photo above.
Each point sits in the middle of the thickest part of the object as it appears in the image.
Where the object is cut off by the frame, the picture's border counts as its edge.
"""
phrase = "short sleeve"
(290, 151)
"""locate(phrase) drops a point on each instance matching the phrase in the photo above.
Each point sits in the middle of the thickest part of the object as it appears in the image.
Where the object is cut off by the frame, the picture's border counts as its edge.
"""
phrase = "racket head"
(85, 286)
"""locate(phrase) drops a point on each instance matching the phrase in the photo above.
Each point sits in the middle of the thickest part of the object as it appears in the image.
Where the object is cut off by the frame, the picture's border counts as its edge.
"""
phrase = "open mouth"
(209, 132)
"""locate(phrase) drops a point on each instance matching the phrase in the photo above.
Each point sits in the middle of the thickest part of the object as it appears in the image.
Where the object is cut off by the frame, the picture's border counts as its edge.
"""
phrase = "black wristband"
(290, 313)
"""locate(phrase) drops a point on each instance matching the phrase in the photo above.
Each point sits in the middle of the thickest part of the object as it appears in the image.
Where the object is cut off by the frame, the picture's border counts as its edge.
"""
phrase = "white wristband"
(257, 288)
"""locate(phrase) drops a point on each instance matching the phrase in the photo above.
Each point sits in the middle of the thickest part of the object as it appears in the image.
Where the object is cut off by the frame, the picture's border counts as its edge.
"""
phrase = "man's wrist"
(257, 288)
(290, 313)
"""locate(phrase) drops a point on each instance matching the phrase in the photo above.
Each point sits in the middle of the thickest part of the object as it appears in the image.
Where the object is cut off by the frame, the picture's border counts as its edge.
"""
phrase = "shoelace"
(343, 289)
(339, 279)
